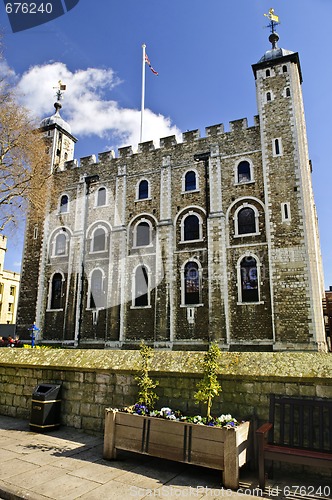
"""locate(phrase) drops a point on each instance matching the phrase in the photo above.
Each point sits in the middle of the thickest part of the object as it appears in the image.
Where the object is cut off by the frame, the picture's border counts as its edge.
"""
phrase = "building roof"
(56, 119)
(274, 53)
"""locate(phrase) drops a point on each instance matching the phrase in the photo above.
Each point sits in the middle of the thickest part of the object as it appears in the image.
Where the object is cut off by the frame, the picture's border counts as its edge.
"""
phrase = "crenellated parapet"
(146, 147)
(106, 156)
(86, 161)
(191, 135)
(217, 131)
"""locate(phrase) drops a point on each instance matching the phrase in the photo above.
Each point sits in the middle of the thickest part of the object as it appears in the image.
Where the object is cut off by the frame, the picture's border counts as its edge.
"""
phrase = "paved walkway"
(67, 464)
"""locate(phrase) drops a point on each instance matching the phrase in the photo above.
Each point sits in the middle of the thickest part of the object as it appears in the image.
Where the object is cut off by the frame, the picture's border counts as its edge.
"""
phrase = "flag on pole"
(149, 64)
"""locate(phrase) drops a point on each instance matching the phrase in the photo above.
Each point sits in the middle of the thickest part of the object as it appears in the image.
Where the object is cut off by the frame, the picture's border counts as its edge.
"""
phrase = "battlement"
(239, 126)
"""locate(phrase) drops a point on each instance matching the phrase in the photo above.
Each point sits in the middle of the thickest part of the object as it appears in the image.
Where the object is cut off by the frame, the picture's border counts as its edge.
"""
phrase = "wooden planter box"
(213, 447)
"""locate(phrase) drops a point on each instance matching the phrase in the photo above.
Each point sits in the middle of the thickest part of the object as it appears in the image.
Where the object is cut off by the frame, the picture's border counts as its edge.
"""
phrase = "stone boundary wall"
(93, 380)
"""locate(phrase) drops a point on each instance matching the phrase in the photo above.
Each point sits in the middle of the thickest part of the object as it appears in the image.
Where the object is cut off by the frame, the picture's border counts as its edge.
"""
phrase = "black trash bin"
(45, 407)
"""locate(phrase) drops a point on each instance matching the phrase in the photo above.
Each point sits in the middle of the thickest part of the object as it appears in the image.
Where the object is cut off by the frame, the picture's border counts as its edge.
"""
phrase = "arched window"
(191, 228)
(284, 69)
(243, 172)
(64, 204)
(143, 190)
(101, 197)
(96, 295)
(287, 92)
(249, 280)
(99, 240)
(141, 290)
(246, 221)
(268, 96)
(60, 244)
(56, 291)
(285, 212)
(268, 72)
(192, 283)
(190, 181)
(143, 234)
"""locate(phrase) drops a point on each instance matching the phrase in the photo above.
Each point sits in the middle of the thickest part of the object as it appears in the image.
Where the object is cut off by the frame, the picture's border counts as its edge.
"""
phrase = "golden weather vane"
(274, 19)
(60, 88)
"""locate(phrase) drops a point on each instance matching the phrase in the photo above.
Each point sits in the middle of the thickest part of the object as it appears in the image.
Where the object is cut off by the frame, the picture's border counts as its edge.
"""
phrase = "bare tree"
(24, 163)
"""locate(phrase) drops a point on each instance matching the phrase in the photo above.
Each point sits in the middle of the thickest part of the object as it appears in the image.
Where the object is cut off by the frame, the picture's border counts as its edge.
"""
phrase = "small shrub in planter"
(214, 442)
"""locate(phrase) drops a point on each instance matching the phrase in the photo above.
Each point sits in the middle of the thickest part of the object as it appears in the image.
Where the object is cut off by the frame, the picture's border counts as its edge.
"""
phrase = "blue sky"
(203, 52)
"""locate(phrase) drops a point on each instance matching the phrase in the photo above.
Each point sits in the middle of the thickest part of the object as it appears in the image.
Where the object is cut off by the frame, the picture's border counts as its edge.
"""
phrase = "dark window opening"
(101, 197)
(190, 181)
(284, 69)
(56, 292)
(142, 234)
(288, 92)
(246, 221)
(277, 146)
(97, 296)
(143, 190)
(99, 240)
(286, 215)
(268, 72)
(243, 171)
(141, 287)
(191, 228)
(64, 204)
(192, 285)
(268, 96)
(249, 282)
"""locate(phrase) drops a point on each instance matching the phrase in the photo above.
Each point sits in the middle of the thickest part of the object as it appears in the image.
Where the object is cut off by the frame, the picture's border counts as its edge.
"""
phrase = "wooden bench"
(299, 431)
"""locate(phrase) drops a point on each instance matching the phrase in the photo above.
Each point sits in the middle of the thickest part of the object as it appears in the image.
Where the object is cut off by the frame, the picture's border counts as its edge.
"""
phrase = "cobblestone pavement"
(67, 464)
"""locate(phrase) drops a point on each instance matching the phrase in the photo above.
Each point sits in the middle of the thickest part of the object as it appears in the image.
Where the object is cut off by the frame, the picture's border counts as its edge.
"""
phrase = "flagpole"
(143, 92)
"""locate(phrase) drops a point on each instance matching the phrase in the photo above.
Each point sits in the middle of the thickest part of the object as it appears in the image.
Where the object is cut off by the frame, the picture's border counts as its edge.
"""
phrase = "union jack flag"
(149, 64)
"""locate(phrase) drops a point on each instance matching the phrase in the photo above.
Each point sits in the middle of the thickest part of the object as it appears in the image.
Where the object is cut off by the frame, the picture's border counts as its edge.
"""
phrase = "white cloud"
(87, 106)
(8, 72)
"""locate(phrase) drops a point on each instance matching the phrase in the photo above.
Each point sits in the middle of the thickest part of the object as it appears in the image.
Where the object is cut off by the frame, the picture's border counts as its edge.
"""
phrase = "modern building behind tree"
(9, 288)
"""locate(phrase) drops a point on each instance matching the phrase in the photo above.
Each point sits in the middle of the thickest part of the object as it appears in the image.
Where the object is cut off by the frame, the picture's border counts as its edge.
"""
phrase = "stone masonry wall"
(93, 380)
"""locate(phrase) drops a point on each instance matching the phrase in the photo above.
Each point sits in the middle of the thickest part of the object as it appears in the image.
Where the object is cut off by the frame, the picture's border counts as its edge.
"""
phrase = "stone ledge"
(272, 366)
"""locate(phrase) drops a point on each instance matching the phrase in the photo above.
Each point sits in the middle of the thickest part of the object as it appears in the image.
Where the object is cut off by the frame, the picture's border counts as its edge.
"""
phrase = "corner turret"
(58, 135)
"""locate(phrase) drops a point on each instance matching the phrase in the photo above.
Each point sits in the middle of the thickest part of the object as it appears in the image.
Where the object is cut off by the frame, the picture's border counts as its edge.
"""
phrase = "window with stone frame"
(97, 296)
(277, 147)
(190, 183)
(101, 197)
(99, 240)
(191, 228)
(57, 285)
(246, 221)
(141, 290)
(64, 204)
(249, 280)
(243, 172)
(192, 284)
(60, 248)
(143, 190)
(143, 234)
